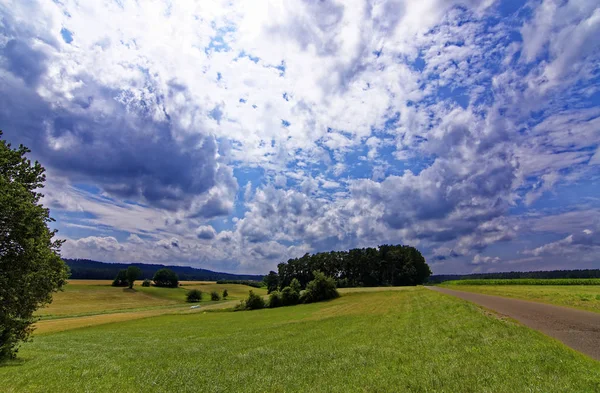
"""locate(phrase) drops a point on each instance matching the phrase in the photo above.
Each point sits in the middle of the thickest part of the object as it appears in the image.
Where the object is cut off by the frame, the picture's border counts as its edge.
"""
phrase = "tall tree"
(133, 273)
(30, 265)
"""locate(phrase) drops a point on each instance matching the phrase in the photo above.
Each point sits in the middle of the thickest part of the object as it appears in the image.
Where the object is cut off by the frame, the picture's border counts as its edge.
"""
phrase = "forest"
(385, 265)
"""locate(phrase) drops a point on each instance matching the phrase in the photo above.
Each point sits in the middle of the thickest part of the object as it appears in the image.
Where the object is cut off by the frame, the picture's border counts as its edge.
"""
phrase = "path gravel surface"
(578, 329)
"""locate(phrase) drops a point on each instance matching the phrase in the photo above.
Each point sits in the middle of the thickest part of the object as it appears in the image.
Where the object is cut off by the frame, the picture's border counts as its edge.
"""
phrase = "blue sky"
(235, 135)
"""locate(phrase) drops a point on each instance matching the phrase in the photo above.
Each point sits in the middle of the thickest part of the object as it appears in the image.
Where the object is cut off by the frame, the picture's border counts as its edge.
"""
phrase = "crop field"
(412, 340)
(583, 297)
(527, 281)
(85, 303)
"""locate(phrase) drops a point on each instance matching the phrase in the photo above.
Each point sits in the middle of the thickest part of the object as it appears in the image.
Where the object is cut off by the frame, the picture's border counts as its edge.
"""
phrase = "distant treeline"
(368, 267)
(250, 283)
(526, 281)
(92, 270)
(588, 273)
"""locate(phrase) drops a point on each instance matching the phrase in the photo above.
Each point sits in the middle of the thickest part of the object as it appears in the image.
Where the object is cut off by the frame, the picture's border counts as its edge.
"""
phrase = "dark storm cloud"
(94, 138)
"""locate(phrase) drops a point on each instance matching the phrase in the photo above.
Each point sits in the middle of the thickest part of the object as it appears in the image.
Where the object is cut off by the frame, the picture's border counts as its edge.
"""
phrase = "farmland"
(582, 296)
(377, 340)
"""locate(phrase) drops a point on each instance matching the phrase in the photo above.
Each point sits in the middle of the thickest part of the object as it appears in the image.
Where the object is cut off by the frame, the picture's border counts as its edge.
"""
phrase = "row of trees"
(370, 267)
(162, 278)
(195, 295)
(320, 288)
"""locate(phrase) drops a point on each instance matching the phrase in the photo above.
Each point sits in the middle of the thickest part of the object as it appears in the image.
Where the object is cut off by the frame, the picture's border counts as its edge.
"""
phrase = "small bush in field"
(254, 301)
(275, 299)
(214, 295)
(319, 289)
(225, 293)
(146, 283)
(194, 296)
(289, 296)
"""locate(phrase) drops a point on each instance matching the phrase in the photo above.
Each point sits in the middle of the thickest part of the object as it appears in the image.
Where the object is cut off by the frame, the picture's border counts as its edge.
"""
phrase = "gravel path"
(578, 329)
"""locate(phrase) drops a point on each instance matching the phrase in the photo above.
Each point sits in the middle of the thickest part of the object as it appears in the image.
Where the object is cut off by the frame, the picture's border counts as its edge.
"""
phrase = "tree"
(319, 289)
(214, 296)
(254, 301)
(121, 279)
(194, 296)
(30, 265)
(225, 293)
(166, 278)
(133, 273)
(271, 280)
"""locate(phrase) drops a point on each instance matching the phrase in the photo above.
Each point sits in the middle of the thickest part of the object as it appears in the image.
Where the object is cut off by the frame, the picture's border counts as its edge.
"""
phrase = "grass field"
(527, 281)
(584, 297)
(412, 340)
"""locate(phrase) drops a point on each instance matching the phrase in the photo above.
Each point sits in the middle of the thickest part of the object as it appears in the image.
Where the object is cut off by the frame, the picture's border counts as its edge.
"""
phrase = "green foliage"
(382, 266)
(254, 301)
(527, 281)
(275, 299)
(289, 296)
(146, 283)
(121, 279)
(271, 281)
(225, 294)
(166, 278)
(214, 295)
(295, 285)
(250, 283)
(30, 265)
(319, 289)
(194, 296)
(133, 273)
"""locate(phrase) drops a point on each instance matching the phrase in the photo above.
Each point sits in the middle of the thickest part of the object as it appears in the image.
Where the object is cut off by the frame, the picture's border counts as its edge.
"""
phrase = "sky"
(235, 135)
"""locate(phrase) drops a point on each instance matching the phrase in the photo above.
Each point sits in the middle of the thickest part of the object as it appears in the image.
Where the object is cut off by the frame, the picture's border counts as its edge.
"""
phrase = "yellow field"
(94, 302)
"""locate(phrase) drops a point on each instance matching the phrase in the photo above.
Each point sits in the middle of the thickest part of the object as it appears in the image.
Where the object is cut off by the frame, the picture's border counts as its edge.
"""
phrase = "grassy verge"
(384, 341)
(584, 297)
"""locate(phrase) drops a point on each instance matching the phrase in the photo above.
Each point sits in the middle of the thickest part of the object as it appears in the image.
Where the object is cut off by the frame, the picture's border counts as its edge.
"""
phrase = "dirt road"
(578, 329)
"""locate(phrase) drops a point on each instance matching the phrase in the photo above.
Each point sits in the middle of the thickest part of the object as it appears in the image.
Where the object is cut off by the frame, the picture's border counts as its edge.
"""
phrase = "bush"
(254, 301)
(121, 279)
(241, 306)
(146, 283)
(166, 278)
(289, 296)
(319, 289)
(275, 299)
(214, 295)
(250, 283)
(194, 296)
(225, 293)
(295, 285)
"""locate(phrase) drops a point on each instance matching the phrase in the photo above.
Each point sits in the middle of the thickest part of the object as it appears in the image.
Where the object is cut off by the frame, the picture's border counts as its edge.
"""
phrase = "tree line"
(395, 265)
(548, 274)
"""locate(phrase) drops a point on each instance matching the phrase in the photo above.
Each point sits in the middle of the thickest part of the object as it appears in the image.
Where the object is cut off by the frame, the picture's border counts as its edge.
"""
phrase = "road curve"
(578, 329)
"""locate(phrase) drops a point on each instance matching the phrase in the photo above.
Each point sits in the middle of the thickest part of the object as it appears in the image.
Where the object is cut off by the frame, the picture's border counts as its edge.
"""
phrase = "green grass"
(527, 281)
(412, 340)
(584, 297)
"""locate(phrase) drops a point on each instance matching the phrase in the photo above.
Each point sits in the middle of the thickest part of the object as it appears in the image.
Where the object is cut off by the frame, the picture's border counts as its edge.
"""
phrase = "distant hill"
(588, 273)
(94, 270)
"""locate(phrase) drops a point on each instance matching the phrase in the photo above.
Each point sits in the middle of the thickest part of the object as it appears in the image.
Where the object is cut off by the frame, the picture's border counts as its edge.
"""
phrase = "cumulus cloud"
(446, 124)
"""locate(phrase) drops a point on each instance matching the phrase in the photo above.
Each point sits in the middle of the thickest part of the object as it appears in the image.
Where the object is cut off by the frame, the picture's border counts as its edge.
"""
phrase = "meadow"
(413, 340)
(527, 281)
(583, 297)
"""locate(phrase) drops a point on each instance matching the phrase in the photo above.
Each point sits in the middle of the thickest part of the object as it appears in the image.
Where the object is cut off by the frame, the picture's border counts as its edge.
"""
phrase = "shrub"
(214, 295)
(254, 301)
(251, 283)
(275, 299)
(121, 279)
(319, 289)
(289, 297)
(295, 285)
(194, 296)
(225, 293)
(166, 278)
(241, 306)
(146, 283)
